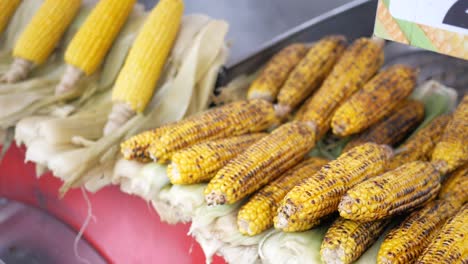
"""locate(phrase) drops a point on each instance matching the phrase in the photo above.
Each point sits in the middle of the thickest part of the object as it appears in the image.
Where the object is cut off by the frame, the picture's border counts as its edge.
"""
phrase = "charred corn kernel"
(43, 33)
(137, 80)
(346, 240)
(393, 192)
(201, 162)
(234, 119)
(420, 145)
(93, 40)
(268, 83)
(8, 8)
(455, 188)
(392, 129)
(450, 245)
(389, 23)
(355, 67)
(452, 150)
(136, 147)
(261, 163)
(374, 101)
(257, 214)
(447, 42)
(320, 194)
(310, 72)
(405, 242)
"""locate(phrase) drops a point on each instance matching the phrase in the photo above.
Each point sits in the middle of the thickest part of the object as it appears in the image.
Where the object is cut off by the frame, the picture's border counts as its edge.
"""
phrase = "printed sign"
(438, 25)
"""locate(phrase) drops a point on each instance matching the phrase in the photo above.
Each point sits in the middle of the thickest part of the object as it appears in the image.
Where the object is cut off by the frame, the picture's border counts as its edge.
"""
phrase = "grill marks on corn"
(455, 188)
(391, 193)
(406, 242)
(355, 67)
(267, 85)
(394, 128)
(260, 163)
(452, 150)
(200, 162)
(257, 214)
(375, 100)
(320, 194)
(449, 246)
(346, 240)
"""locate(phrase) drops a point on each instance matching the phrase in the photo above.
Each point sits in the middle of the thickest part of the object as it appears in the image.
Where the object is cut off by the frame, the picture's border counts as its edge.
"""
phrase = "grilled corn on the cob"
(89, 46)
(374, 101)
(8, 8)
(238, 118)
(355, 67)
(392, 129)
(267, 85)
(346, 240)
(452, 150)
(450, 245)
(261, 163)
(40, 37)
(200, 162)
(136, 82)
(393, 192)
(320, 194)
(421, 144)
(309, 73)
(257, 214)
(455, 188)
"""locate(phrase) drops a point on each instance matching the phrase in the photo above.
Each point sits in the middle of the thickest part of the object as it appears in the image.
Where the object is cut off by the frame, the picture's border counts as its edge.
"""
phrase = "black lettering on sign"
(458, 14)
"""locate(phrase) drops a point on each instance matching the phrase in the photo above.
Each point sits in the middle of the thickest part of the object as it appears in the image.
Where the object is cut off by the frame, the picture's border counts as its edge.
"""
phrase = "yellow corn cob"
(261, 163)
(450, 245)
(268, 83)
(420, 145)
(89, 46)
(377, 99)
(238, 118)
(320, 194)
(201, 162)
(355, 67)
(8, 8)
(346, 240)
(394, 128)
(389, 23)
(405, 242)
(41, 36)
(310, 72)
(452, 150)
(136, 147)
(257, 214)
(447, 42)
(455, 188)
(137, 79)
(393, 192)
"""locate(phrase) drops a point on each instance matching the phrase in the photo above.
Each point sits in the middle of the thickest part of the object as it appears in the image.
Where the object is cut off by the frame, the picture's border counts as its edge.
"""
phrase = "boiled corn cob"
(201, 162)
(40, 37)
(420, 145)
(261, 163)
(89, 46)
(137, 79)
(394, 128)
(374, 101)
(8, 8)
(455, 188)
(320, 194)
(355, 67)
(452, 150)
(268, 83)
(238, 118)
(346, 240)
(450, 245)
(405, 242)
(309, 73)
(393, 192)
(257, 214)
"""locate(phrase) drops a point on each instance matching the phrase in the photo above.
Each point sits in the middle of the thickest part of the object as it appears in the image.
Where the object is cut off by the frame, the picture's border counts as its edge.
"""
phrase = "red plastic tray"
(126, 230)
